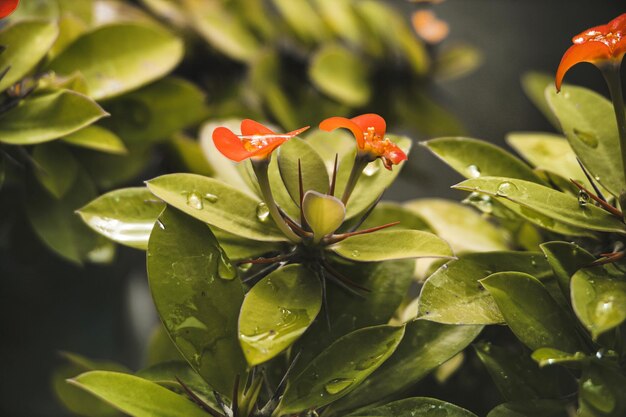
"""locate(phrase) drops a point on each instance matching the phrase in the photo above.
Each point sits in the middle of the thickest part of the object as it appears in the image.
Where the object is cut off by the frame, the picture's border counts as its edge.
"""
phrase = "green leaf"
(566, 258)
(277, 310)
(531, 313)
(425, 346)
(314, 174)
(98, 139)
(475, 158)
(55, 222)
(239, 248)
(518, 377)
(470, 232)
(198, 307)
(387, 212)
(217, 204)
(415, 407)
(533, 408)
(125, 216)
(27, 42)
(119, 57)
(47, 117)
(135, 396)
(599, 298)
(160, 348)
(549, 356)
(340, 368)
(323, 213)
(588, 121)
(535, 85)
(454, 295)
(188, 155)
(309, 30)
(456, 61)
(56, 168)
(601, 392)
(340, 17)
(157, 111)
(110, 171)
(340, 73)
(553, 204)
(392, 244)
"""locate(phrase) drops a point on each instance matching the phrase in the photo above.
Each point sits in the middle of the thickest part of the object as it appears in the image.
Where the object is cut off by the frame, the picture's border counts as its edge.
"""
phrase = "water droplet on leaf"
(194, 200)
(583, 198)
(587, 138)
(369, 362)
(337, 385)
(371, 169)
(225, 269)
(473, 171)
(505, 188)
(262, 212)
(356, 253)
(211, 198)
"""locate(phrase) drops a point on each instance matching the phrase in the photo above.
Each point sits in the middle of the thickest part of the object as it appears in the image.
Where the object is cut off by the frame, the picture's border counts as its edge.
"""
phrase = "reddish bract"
(7, 7)
(597, 44)
(256, 141)
(369, 132)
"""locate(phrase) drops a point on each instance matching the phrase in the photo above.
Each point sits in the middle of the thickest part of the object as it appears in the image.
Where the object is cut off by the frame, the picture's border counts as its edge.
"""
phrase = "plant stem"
(360, 162)
(613, 79)
(261, 171)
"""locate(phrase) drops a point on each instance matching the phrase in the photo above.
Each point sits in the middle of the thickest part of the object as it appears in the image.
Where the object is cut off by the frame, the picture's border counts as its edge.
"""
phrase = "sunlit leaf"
(566, 258)
(98, 139)
(414, 407)
(314, 174)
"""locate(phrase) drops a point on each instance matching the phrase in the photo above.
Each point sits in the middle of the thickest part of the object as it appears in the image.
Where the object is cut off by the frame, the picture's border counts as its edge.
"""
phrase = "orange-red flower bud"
(7, 7)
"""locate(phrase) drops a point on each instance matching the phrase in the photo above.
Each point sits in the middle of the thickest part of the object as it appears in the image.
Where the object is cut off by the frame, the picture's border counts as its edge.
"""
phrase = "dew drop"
(356, 253)
(194, 200)
(369, 362)
(371, 169)
(211, 198)
(480, 201)
(161, 224)
(337, 385)
(473, 171)
(587, 138)
(245, 267)
(262, 212)
(583, 198)
(505, 188)
(225, 269)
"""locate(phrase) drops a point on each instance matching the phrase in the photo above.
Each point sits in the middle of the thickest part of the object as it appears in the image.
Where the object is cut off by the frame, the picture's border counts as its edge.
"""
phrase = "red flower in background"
(595, 45)
(369, 132)
(256, 141)
(7, 7)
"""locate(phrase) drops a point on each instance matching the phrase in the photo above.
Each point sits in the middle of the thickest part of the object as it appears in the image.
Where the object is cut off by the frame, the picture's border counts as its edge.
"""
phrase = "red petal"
(250, 128)
(618, 24)
(272, 143)
(333, 123)
(7, 7)
(585, 52)
(365, 121)
(230, 145)
(297, 131)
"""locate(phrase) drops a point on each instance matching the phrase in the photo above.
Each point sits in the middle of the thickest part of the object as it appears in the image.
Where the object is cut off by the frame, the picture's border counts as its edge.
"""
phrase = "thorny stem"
(613, 79)
(260, 170)
(360, 162)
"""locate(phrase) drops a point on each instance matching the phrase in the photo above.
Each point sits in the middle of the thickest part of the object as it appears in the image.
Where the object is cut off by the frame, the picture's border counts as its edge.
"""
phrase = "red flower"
(7, 7)
(369, 132)
(597, 44)
(256, 141)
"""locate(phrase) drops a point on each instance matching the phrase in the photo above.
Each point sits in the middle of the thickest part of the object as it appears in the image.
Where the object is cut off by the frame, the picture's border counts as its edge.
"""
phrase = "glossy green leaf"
(425, 346)
(340, 73)
(323, 213)
(27, 42)
(196, 297)
(217, 204)
(553, 204)
(475, 158)
(340, 368)
(56, 168)
(55, 222)
(533, 408)
(601, 392)
(392, 244)
(566, 258)
(238, 248)
(157, 111)
(535, 85)
(518, 377)
(98, 139)
(415, 407)
(469, 232)
(531, 313)
(599, 298)
(454, 295)
(120, 57)
(388, 212)
(309, 30)
(314, 174)
(136, 396)
(588, 121)
(47, 117)
(329, 144)
(125, 216)
(549, 356)
(71, 27)
(340, 17)
(188, 155)
(277, 310)
(110, 171)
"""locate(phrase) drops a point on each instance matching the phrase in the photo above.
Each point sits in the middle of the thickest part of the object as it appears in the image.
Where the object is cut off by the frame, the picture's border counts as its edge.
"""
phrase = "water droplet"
(356, 253)
(369, 362)
(506, 188)
(587, 138)
(245, 267)
(481, 201)
(371, 169)
(335, 386)
(161, 225)
(533, 263)
(583, 198)
(262, 212)
(225, 269)
(473, 171)
(211, 198)
(194, 200)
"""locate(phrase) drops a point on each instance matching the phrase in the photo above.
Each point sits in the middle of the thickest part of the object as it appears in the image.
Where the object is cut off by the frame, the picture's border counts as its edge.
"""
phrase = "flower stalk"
(360, 162)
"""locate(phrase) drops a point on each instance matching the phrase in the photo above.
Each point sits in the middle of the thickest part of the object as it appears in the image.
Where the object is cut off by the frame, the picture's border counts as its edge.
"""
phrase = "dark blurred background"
(47, 305)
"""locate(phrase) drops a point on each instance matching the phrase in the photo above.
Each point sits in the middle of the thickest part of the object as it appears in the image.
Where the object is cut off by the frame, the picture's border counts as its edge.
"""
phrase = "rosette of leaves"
(85, 98)
(293, 61)
(263, 325)
(565, 299)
